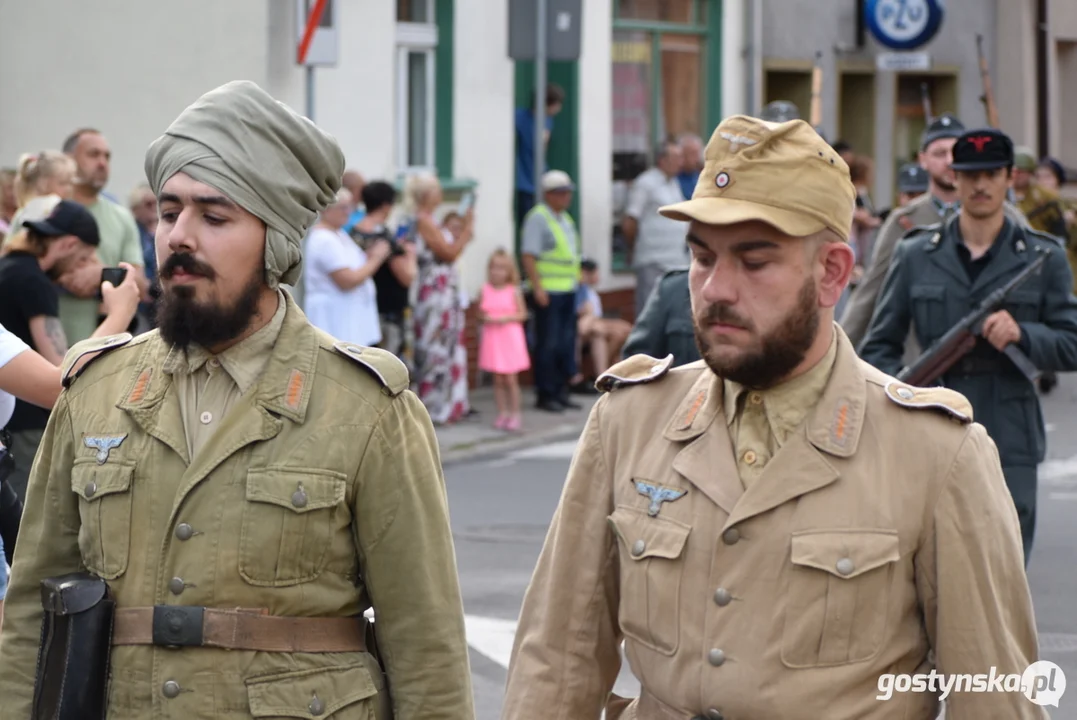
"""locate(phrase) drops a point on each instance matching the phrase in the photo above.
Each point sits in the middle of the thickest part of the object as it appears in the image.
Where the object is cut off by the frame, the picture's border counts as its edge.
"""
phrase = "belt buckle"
(177, 625)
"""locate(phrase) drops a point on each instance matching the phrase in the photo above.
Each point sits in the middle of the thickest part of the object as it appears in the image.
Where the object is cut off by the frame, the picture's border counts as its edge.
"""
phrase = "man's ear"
(836, 260)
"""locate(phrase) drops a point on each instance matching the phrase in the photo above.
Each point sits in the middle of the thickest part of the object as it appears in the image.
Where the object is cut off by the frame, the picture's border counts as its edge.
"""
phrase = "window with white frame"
(416, 43)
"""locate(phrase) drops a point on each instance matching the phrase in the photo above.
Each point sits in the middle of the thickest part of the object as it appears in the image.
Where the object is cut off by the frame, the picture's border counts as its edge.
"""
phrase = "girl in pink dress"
(503, 346)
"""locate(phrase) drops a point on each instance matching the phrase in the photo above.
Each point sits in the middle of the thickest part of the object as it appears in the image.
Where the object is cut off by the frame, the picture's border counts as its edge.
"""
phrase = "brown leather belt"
(238, 629)
(652, 708)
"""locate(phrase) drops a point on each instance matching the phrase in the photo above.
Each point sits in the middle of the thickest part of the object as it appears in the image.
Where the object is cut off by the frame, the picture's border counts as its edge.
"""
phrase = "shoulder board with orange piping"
(85, 352)
(634, 370)
(948, 401)
(386, 367)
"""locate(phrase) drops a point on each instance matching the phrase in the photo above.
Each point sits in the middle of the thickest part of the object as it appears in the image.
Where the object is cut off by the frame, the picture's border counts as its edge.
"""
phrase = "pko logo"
(1042, 682)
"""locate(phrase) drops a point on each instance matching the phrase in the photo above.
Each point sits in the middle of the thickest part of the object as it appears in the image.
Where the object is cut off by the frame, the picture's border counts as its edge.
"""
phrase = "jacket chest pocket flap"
(837, 599)
(929, 310)
(340, 693)
(1024, 305)
(288, 525)
(652, 566)
(104, 492)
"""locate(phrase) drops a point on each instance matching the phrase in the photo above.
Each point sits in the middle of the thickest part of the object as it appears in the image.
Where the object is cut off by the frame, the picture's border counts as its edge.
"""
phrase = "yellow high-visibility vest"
(559, 268)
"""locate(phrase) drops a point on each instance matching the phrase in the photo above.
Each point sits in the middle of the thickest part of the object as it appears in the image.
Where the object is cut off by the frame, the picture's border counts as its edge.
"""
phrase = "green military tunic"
(315, 491)
(761, 421)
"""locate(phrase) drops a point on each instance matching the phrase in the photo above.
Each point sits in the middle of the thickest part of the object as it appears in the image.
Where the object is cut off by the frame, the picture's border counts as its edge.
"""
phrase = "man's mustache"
(725, 315)
(186, 263)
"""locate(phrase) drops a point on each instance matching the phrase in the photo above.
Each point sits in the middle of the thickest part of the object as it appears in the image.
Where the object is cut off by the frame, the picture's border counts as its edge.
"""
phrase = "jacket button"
(91, 488)
(299, 498)
(716, 657)
(845, 566)
(714, 714)
(184, 531)
(722, 597)
(176, 585)
(170, 689)
(731, 536)
(638, 548)
(316, 706)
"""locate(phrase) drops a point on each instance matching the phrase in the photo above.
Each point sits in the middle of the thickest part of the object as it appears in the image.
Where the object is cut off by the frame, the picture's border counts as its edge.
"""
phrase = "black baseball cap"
(587, 264)
(944, 126)
(912, 178)
(986, 149)
(67, 218)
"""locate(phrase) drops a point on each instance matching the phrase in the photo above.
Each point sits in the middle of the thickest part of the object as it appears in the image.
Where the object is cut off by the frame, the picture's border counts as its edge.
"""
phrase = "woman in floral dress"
(440, 378)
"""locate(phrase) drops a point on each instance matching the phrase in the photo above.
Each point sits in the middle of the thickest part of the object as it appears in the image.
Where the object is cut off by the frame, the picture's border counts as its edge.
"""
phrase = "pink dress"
(503, 348)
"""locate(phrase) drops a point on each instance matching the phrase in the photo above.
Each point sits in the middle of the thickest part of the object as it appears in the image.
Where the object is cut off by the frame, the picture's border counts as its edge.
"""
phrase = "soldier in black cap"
(941, 272)
(912, 182)
(940, 200)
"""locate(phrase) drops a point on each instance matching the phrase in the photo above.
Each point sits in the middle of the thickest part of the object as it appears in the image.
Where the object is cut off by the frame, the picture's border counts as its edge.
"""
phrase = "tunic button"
(207, 418)
(716, 657)
(905, 393)
(638, 548)
(214, 363)
(722, 597)
(731, 536)
(299, 498)
(749, 457)
(184, 531)
(316, 706)
(170, 689)
(756, 398)
(176, 585)
(91, 488)
(714, 714)
(845, 566)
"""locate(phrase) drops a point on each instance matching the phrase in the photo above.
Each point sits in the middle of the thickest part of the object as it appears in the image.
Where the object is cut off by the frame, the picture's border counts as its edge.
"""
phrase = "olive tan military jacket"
(329, 424)
(881, 530)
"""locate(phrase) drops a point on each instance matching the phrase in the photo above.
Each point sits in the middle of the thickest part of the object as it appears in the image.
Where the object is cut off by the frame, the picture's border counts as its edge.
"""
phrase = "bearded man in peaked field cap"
(756, 526)
(245, 485)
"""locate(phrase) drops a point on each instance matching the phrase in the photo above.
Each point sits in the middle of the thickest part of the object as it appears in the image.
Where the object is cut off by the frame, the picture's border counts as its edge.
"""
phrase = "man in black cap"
(941, 272)
(912, 182)
(30, 307)
(936, 146)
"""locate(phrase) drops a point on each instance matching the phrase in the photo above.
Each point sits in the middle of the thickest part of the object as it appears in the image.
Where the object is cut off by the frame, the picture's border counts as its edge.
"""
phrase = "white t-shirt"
(659, 240)
(348, 315)
(10, 346)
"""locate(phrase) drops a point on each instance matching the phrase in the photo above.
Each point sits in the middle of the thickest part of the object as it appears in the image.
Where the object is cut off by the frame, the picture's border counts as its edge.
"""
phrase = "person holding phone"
(30, 307)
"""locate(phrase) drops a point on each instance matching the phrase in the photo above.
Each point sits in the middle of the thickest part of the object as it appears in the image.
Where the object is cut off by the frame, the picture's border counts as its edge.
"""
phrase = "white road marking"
(1049, 427)
(491, 636)
(1059, 469)
(1063, 496)
(553, 451)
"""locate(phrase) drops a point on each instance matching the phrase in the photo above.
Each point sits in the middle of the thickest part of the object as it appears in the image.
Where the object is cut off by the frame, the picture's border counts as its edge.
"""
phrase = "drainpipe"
(1043, 96)
(753, 34)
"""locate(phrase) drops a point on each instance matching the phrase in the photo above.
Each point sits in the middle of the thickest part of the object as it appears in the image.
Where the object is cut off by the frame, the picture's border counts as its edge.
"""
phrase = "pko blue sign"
(903, 24)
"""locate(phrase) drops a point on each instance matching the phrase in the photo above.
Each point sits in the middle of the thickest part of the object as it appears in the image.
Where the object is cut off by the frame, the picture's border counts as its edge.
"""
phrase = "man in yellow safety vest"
(550, 246)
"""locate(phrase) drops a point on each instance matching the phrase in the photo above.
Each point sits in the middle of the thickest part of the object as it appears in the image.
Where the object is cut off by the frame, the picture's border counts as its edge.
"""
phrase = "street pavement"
(501, 507)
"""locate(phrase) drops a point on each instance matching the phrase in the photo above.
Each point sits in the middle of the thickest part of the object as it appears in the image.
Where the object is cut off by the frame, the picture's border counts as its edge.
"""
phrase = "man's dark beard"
(182, 320)
(783, 348)
(944, 183)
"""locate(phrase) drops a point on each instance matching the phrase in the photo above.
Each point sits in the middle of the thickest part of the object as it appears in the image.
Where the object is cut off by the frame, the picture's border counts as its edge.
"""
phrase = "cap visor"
(42, 227)
(726, 211)
(994, 165)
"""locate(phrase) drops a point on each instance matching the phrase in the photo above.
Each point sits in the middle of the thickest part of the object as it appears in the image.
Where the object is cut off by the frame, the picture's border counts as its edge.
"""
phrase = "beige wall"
(1062, 73)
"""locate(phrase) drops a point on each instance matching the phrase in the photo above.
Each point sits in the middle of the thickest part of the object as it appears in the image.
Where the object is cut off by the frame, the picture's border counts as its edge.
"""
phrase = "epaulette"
(635, 370)
(917, 229)
(1046, 237)
(85, 352)
(386, 367)
(949, 401)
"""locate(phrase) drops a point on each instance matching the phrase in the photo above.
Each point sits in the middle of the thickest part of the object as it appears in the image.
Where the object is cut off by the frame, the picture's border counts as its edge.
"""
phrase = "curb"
(492, 447)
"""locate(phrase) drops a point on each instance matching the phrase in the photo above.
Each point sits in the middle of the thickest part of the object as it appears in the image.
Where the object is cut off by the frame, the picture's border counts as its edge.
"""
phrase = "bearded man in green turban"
(241, 485)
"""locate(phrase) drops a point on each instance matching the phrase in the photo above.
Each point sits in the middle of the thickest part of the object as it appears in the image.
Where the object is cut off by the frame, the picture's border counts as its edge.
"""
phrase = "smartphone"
(466, 203)
(114, 275)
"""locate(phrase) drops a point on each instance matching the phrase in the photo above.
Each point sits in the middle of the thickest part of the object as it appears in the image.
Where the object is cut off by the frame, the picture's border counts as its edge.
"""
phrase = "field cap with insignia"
(912, 178)
(1024, 158)
(944, 126)
(985, 149)
(783, 174)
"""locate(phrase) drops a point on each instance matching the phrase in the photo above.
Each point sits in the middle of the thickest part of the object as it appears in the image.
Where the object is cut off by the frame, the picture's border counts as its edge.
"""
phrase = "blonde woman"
(46, 174)
(440, 356)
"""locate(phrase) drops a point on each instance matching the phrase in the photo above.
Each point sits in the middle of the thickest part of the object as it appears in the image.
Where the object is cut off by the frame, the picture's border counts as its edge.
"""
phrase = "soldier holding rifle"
(942, 272)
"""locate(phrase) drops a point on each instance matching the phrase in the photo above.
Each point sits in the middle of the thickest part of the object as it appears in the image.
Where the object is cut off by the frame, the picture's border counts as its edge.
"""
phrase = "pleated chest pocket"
(104, 492)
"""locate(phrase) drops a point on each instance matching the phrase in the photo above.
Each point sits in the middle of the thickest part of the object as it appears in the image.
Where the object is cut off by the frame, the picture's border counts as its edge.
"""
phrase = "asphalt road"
(501, 508)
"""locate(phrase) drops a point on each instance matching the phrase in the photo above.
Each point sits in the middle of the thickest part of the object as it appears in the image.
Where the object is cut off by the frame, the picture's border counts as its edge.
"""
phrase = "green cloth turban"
(265, 157)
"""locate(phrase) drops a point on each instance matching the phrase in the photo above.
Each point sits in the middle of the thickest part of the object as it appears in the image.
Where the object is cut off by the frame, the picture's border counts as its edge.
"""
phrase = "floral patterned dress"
(440, 355)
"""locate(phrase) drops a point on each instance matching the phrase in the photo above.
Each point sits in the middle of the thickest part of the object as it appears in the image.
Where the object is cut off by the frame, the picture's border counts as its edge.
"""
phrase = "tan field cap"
(783, 174)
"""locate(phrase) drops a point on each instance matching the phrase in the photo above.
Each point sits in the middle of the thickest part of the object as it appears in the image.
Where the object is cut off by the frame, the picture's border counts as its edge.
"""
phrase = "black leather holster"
(76, 645)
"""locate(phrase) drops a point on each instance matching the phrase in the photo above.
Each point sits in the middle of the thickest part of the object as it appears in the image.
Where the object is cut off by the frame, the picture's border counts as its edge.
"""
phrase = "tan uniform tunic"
(882, 529)
(318, 493)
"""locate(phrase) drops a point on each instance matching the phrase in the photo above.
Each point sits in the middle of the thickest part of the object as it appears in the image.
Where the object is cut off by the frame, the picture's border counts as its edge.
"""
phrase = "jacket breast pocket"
(929, 310)
(652, 566)
(104, 492)
(1024, 305)
(336, 693)
(837, 598)
(288, 525)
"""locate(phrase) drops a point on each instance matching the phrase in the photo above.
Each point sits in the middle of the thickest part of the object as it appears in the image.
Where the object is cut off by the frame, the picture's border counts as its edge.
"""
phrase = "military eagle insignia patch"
(658, 495)
(104, 445)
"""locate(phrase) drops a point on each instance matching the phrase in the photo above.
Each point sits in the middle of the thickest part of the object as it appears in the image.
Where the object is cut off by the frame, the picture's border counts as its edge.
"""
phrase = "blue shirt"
(357, 215)
(525, 149)
(688, 180)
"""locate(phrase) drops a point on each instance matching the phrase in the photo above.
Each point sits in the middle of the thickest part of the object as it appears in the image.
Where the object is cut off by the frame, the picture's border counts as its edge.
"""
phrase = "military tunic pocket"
(651, 570)
(287, 525)
(104, 492)
(837, 598)
(337, 693)
(1024, 305)
(929, 311)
